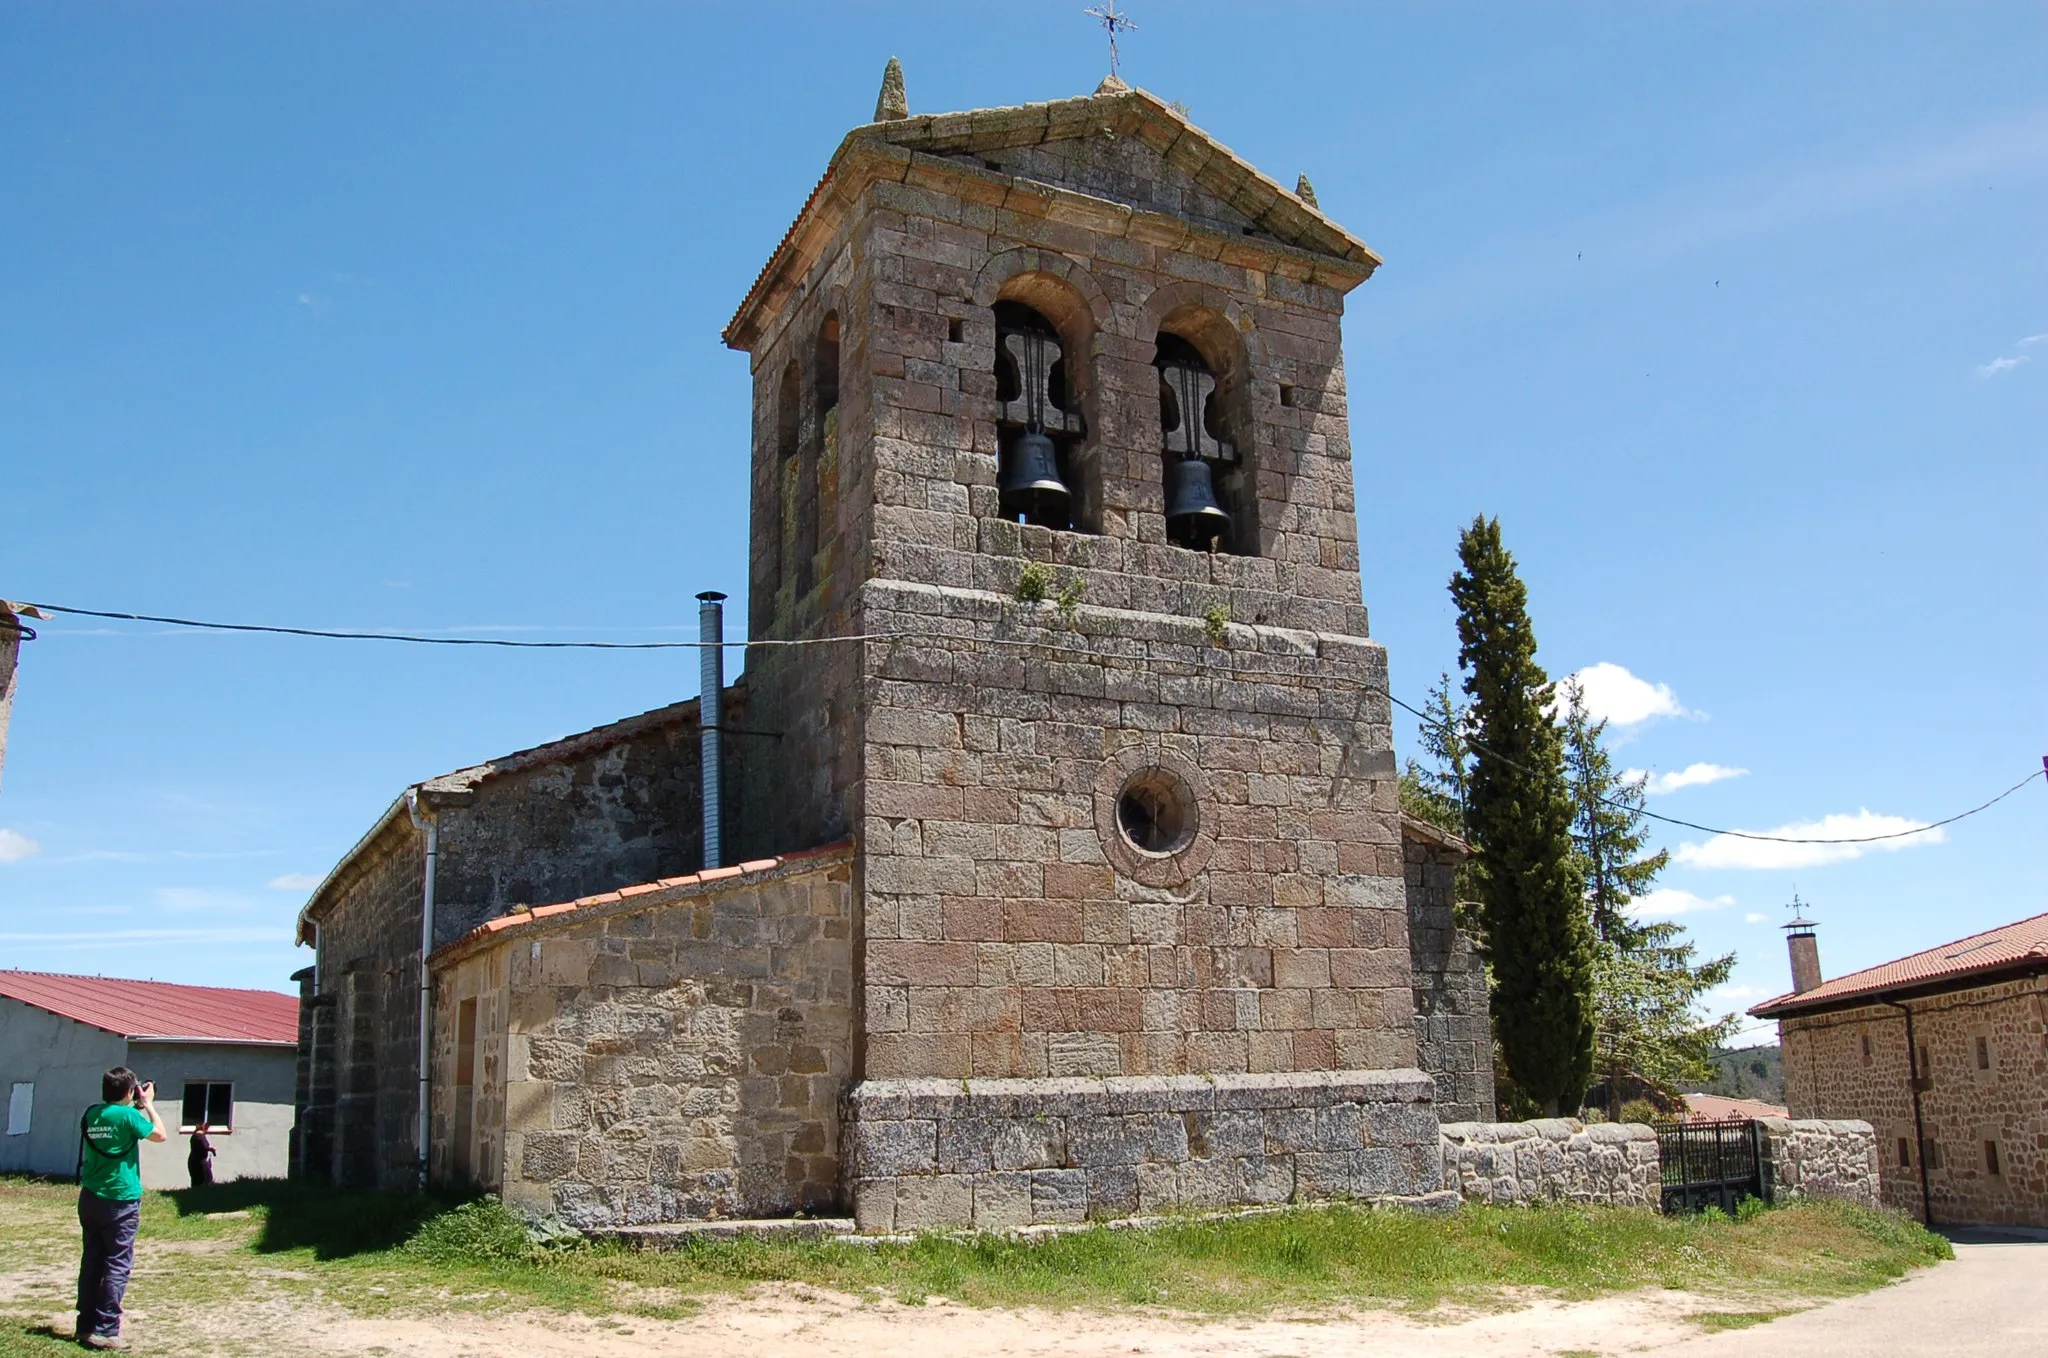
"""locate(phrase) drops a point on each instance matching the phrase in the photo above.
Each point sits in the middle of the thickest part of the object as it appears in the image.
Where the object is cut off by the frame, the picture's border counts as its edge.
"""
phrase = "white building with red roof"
(225, 1058)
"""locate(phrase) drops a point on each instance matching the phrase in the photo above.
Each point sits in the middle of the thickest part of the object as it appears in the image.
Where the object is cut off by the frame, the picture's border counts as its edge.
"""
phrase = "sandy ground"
(792, 1321)
(1983, 1303)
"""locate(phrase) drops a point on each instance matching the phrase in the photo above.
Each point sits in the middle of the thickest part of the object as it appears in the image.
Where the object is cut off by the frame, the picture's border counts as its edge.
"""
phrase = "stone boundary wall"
(930, 1154)
(1822, 1158)
(1553, 1160)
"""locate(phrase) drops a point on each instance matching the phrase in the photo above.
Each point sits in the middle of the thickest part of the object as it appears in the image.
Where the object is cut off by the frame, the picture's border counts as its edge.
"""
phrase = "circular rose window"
(1150, 814)
(1155, 812)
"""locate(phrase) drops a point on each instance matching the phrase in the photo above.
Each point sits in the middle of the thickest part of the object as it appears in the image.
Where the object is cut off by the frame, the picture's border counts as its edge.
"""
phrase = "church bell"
(1030, 482)
(1193, 518)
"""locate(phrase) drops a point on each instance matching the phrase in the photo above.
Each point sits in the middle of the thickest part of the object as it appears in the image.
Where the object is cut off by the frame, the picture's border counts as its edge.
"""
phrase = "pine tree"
(1649, 1036)
(1519, 813)
(1436, 792)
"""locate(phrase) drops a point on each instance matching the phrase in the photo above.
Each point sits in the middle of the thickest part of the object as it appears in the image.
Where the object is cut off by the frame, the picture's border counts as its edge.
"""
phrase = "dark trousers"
(109, 1230)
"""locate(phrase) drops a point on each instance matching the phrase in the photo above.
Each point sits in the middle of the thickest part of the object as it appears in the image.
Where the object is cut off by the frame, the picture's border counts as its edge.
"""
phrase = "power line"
(506, 643)
(1631, 807)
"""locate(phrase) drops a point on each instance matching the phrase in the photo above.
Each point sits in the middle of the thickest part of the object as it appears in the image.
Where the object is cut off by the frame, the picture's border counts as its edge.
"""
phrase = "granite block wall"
(668, 1053)
(1553, 1160)
(1004, 1154)
(1813, 1158)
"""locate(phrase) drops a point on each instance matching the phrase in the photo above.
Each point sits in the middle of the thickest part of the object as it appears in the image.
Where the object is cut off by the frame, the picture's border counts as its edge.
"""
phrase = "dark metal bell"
(1030, 482)
(1193, 518)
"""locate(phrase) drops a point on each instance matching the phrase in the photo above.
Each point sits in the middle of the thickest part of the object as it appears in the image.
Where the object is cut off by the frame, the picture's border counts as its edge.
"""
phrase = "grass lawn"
(373, 1253)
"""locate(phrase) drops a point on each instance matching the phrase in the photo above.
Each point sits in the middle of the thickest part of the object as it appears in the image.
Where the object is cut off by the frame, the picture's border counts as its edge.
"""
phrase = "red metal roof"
(2009, 945)
(158, 1009)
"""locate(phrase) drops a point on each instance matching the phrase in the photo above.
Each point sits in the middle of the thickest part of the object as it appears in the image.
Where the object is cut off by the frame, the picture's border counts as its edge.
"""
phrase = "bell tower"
(1049, 417)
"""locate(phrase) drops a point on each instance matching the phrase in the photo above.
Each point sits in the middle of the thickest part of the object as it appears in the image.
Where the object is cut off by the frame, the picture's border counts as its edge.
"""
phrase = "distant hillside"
(1749, 1073)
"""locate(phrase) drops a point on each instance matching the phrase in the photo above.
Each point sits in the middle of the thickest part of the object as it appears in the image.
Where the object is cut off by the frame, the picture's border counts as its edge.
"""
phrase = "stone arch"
(1222, 332)
(1068, 297)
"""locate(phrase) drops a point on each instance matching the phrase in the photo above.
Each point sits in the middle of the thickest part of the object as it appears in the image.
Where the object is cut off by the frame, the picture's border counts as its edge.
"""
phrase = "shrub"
(1034, 583)
(481, 1232)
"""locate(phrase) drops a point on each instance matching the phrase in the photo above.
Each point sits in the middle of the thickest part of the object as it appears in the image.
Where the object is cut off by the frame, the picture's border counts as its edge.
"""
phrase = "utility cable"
(507, 643)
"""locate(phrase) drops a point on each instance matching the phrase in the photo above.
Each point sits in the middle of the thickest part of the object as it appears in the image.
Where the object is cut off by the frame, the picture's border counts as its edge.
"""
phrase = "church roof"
(461, 782)
(645, 895)
(890, 149)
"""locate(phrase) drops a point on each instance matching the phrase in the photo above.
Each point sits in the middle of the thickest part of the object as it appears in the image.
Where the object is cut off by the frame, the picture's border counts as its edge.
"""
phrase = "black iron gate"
(1711, 1164)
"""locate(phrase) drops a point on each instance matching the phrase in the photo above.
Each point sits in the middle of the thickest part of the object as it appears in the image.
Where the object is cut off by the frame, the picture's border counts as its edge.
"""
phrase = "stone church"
(1065, 875)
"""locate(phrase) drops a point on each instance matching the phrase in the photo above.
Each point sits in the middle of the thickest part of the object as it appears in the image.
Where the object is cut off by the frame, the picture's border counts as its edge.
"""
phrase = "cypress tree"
(1519, 812)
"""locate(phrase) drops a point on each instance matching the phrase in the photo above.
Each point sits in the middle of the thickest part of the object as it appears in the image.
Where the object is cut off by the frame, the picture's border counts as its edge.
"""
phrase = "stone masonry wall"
(1453, 1013)
(1004, 1154)
(1010, 929)
(1810, 1158)
(1553, 1160)
(670, 1053)
(596, 811)
(1987, 1086)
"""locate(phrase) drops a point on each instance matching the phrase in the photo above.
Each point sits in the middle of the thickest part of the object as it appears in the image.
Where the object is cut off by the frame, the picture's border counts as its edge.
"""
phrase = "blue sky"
(407, 316)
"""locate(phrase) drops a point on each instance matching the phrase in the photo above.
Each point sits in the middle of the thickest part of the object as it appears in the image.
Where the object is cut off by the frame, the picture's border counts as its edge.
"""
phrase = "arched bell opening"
(788, 475)
(1040, 429)
(1205, 435)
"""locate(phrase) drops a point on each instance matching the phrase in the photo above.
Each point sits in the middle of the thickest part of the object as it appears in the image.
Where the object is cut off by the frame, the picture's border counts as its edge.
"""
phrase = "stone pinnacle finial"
(893, 103)
(1306, 192)
(1113, 84)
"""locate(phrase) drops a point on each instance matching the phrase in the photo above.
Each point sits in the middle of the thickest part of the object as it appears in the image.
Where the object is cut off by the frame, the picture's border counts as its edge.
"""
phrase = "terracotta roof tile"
(2009, 945)
(159, 1009)
(529, 914)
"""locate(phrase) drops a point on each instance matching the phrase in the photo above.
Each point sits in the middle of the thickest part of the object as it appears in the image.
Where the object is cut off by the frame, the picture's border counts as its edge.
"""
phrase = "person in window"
(199, 1160)
(110, 1199)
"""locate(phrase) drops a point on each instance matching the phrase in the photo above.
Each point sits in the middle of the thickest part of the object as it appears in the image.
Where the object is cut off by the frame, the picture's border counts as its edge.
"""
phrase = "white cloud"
(293, 881)
(1728, 851)
(1692, 775)
(2041, 338)
(2000, 365)
(15, 846)
(1734, 992)
(1669, 903)
(1611, 694)
(1753, 918)
(143, 938)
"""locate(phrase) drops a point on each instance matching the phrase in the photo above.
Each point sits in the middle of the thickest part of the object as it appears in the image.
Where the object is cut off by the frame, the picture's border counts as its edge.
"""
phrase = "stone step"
(668, 1235)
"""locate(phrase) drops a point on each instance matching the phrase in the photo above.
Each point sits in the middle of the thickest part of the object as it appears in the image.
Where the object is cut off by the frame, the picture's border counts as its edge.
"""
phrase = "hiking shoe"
(105, 1341)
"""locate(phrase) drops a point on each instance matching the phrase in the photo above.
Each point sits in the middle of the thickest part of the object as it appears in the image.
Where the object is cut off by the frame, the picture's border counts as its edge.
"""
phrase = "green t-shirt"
(112, 1132)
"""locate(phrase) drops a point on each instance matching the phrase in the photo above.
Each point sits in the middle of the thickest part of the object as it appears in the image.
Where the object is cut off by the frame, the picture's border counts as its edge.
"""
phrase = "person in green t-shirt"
(110, 1199)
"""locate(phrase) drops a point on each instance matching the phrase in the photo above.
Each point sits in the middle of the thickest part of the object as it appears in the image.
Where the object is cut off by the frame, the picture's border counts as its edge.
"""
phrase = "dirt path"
(783, 1321)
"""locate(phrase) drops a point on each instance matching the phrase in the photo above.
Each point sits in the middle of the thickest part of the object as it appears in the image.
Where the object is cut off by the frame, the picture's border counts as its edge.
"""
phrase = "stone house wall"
(1553, 1160)
(1854, 1063)
(670, 1052)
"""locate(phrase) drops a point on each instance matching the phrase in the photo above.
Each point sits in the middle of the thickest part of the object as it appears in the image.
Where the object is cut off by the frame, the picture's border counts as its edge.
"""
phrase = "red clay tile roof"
(158, 1009)
(694, 884)
(2011, 945)
(1721, 1108)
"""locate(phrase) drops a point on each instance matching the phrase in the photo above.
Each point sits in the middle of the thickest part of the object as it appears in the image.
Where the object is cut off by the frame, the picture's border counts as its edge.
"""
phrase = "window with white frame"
(21, 1102)
(211, 1102)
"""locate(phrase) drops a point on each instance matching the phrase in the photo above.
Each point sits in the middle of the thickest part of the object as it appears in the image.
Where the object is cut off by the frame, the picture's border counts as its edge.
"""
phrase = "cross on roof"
(1113, 23)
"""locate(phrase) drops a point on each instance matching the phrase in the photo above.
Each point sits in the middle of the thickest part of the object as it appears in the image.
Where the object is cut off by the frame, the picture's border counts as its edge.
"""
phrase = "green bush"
(481, 1232)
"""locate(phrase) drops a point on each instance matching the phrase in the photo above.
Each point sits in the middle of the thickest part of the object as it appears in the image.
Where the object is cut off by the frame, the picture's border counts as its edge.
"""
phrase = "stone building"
(1945, 1054)
(1074, 878)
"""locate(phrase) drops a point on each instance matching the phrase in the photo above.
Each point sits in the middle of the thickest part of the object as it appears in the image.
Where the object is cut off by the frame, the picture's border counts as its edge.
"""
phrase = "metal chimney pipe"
(711, 632)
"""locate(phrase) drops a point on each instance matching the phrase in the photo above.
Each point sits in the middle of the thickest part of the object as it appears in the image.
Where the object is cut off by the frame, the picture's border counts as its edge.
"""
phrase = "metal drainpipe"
(423, 818)
(711, 689)
(1919, 1127)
